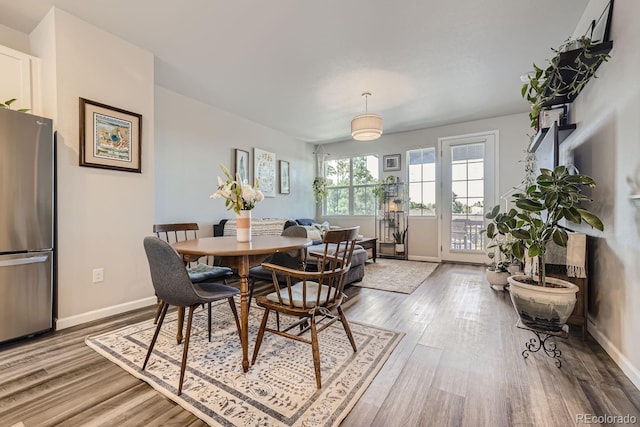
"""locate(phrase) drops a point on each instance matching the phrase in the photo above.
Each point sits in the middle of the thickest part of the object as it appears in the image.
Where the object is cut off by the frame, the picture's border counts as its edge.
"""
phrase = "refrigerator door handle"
(22, 261)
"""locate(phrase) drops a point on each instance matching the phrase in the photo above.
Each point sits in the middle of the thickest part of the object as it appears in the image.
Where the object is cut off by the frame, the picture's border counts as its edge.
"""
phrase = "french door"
(468, 191)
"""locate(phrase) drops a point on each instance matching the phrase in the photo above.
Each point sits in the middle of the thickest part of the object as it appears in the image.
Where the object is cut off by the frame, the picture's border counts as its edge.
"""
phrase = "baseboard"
(423, 258)
(632, 372)
(78, 319)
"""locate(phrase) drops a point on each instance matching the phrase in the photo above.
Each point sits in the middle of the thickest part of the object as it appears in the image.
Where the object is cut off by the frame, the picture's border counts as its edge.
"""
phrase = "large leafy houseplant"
(542, 211)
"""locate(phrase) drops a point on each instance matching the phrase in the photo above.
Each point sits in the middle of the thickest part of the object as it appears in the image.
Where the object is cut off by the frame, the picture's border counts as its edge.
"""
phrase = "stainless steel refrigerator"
(26, 224)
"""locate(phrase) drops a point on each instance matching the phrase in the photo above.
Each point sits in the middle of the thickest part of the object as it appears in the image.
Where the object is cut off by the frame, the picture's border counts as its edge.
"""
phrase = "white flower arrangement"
(239, 196)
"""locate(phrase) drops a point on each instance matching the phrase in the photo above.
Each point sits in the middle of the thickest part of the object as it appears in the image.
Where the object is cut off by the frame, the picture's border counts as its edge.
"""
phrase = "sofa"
(314, 231)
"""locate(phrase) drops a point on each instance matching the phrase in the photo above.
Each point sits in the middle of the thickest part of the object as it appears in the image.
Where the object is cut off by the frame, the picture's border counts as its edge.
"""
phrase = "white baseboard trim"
(78, 319)
(423, 258)
(632, 372)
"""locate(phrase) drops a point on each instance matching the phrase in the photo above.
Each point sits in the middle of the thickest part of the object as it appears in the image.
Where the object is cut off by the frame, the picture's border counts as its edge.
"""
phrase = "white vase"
(243, 226)
(399, 248)
(546, 308)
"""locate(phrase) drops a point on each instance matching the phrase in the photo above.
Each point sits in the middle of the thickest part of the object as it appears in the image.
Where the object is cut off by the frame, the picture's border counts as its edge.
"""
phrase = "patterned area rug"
(396, 275)
(279, 390)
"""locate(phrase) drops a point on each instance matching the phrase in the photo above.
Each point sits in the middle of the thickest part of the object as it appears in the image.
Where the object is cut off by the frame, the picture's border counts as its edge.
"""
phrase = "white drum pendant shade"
(366, 127)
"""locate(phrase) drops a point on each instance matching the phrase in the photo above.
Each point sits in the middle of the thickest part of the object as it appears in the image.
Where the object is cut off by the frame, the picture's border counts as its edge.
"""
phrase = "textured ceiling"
(300, 66)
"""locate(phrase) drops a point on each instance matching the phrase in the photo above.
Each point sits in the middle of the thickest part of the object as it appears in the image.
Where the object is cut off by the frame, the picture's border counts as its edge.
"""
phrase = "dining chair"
(173, 286)
(311, 297)
(198, 272)
(284, 259)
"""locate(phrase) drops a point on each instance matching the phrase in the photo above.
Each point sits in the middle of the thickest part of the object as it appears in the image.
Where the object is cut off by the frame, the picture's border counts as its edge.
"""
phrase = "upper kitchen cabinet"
(20, 79)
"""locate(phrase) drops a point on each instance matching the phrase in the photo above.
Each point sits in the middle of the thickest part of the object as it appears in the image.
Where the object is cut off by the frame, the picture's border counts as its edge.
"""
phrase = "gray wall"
(193, 138)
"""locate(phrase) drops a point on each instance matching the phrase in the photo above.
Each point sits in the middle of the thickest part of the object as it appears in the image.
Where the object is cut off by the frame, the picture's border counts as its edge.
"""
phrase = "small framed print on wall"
(264, 171)
(284, 177)
(391, 162)
(242, 165)
(110, 138)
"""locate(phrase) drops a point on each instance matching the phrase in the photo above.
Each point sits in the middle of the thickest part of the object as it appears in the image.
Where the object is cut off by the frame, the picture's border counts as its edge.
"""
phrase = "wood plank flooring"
(458, 365)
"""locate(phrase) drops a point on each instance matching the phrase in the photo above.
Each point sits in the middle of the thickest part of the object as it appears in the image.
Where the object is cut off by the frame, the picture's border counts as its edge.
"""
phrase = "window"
(351, 184)
(422, 181)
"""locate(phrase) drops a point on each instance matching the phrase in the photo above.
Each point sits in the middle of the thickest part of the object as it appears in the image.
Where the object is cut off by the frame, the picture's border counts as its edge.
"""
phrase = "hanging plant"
(381, 187)
(564, 78)
(320, 188)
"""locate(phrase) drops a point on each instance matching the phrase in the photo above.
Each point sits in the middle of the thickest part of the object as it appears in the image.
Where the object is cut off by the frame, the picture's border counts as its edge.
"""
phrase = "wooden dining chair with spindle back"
(312, 298)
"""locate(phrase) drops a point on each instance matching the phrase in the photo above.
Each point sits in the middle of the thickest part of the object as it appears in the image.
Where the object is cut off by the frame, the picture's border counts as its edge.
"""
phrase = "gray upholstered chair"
(198, 272)
(310, 297)
(173, 287)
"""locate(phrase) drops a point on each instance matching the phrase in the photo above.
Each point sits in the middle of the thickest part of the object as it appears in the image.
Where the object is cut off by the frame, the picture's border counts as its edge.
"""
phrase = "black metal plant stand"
(541, 342)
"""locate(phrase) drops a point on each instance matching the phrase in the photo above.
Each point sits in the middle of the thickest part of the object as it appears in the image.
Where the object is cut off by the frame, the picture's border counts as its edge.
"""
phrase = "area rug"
(279, 390)
(396, 275)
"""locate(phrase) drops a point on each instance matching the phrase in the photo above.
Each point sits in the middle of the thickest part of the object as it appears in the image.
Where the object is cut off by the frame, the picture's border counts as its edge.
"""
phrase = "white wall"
(423, 232)
(605, 145)
(14, 39)
(193, 138)
(103, 215)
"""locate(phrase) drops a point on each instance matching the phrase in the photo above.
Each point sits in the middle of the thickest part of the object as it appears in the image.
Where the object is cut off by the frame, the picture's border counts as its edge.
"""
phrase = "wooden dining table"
(240, 256)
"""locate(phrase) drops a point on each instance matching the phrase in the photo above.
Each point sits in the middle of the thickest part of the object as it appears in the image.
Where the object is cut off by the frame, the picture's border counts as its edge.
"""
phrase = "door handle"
(22, 261)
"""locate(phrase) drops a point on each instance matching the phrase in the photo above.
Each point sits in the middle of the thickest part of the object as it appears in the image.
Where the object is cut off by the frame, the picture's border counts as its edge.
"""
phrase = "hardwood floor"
(459, 364)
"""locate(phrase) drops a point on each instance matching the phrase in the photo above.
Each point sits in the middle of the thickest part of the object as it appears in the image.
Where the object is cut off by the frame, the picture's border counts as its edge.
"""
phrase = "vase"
(243, 226)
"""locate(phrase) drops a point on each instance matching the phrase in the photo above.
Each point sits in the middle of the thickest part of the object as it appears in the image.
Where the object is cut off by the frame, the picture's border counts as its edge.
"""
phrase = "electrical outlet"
(98, 275)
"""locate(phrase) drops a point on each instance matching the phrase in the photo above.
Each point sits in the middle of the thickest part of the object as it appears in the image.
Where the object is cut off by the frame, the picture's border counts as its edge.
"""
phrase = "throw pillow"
(313, 233)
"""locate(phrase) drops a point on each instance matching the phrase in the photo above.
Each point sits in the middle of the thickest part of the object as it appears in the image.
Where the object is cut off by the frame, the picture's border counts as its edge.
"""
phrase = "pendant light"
(366, 127)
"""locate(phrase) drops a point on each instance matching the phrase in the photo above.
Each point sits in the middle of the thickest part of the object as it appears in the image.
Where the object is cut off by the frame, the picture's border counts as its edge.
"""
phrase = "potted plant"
(562, 79)
(380, 189)
(497, 230)
(497, 274)
(542, 302)
(320, 188)
(399, 238)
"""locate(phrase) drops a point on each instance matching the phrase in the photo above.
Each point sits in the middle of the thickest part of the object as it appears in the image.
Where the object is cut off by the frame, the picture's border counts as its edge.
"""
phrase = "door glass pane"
(476, 170)
(458, 171)
(459, 189)
(475, 188)
(467, 187)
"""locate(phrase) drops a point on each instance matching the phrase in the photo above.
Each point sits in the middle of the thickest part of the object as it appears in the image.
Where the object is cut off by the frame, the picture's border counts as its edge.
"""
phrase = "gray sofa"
(358, 260)
(275, 226)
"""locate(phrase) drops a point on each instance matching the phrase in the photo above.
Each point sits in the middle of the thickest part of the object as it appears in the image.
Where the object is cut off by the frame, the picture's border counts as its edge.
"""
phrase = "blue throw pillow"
(305, 221)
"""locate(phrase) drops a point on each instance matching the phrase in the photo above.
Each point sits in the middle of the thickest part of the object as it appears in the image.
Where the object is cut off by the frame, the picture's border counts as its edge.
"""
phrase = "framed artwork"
(391, 162)
(264, 171)
(284, 177)
(110, 138)
(242, 165)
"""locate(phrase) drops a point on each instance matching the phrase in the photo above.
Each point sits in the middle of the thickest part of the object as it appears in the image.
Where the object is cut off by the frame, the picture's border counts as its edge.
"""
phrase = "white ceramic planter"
(546, 308)
(497, 279)
(399, 248)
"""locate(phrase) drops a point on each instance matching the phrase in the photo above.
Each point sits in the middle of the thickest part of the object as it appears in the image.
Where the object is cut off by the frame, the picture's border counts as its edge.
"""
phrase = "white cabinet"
(20, 79)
